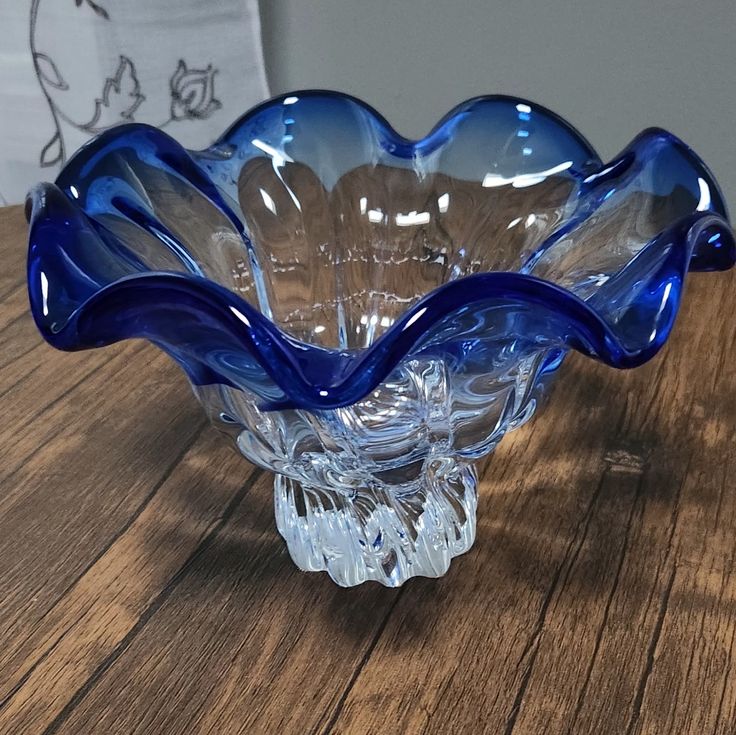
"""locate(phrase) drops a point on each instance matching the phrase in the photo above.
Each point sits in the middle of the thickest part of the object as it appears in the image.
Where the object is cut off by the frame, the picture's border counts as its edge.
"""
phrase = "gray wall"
(611, 67)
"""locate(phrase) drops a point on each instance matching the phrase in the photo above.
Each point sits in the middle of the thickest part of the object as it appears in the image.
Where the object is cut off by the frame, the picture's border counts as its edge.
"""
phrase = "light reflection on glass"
(268, 201)
(243, 318)
(279, 158)
(524, 180)
(45, 293)
(705, 200)
(412, 218)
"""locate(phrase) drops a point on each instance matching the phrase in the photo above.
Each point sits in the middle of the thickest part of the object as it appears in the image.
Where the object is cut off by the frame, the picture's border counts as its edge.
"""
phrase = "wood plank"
(116, 594)
(686, 435)
(689, 685)
(20, 339)
(36, 397)
(15, 304)
(75, 475)
(18, 334)
(13, 247)
(244, 643)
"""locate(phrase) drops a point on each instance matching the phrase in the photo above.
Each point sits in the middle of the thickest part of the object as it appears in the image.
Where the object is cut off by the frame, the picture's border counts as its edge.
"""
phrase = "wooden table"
(144, 589)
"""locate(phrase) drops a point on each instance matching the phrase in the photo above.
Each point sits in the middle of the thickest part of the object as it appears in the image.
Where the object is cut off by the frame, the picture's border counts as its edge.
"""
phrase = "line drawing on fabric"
(192, 92)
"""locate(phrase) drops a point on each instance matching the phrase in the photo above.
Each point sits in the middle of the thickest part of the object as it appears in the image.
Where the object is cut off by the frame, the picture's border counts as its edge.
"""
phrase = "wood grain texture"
(144, 589)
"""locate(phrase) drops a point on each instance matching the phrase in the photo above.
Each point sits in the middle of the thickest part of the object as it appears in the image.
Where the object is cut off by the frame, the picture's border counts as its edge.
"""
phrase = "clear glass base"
(384, 533)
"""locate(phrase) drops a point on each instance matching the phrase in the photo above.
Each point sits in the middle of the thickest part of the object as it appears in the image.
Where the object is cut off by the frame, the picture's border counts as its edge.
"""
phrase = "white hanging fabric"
(70, 69)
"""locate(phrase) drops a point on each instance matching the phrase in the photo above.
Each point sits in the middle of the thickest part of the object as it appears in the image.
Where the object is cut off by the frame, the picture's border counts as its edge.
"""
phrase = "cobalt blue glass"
(367, 315)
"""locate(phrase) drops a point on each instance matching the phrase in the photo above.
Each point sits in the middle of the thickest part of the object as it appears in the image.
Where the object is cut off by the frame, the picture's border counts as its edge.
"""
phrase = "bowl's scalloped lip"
(405, 147)
(402, 147)
(375, 361)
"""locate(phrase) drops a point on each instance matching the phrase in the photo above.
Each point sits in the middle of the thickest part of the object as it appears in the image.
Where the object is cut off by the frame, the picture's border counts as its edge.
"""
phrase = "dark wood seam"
(651, 652)
(729, 658)
(607, 610)
(449, 713)
(534, 638)
(118, 534)
(29, 673)
(32, 370)
(136, 513)
(641, 687)
(721, 492)
(567, 563)
(17, 287)
(153, 608)
(726, 680)
(204, 704)
(84, 377)
(21, 356)
(23, 315)
(328, 728)
(58, 399)
(675, 515)
(141, 507)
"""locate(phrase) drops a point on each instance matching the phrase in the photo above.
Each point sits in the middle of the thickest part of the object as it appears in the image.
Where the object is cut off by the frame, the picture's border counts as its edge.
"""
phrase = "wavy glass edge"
(314, 377)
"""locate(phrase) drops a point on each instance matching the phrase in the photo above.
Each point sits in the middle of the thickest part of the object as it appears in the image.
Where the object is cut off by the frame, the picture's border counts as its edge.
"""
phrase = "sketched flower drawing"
(193, 93)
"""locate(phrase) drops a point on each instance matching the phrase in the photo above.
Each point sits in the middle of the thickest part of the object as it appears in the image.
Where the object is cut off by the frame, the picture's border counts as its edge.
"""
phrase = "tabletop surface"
(144, 588)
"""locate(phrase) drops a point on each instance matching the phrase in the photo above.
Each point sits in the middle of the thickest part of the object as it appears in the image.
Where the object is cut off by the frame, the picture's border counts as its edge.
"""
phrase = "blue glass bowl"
(367, 315)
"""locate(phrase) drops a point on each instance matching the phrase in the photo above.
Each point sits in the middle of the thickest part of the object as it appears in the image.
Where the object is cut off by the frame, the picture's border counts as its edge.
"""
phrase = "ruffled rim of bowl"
(313, 377)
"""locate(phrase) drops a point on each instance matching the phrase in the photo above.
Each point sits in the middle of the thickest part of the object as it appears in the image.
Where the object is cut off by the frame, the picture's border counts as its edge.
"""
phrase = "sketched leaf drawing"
(48, 72)
(99, 10)
(121, 97)
(53, 152)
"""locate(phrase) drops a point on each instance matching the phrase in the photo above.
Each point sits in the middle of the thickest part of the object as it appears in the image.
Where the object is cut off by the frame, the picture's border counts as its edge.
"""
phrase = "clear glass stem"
(384, 533)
